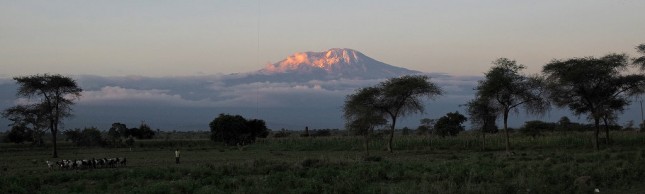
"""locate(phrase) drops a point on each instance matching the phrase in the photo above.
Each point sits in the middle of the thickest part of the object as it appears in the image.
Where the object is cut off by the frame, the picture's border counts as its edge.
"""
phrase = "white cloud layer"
(287, 103)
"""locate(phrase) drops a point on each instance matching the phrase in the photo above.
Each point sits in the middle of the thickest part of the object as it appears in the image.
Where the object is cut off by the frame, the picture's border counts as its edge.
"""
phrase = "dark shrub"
(535, 128)
(86, 137)
(450, 124)
(282, 133)
(235, 130)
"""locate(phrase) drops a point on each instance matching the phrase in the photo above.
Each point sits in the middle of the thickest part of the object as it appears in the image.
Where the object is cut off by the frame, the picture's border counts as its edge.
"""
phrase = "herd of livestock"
(87, 164)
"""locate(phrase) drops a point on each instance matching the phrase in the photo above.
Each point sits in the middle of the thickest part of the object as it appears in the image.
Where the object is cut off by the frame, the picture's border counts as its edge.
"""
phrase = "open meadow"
(553, 163)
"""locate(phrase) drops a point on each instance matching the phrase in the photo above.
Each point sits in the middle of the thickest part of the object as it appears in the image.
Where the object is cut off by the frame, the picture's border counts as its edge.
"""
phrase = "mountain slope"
(327, 65)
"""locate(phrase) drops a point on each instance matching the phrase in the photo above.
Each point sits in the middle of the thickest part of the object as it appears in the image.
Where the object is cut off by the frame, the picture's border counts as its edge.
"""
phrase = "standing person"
(177, 153)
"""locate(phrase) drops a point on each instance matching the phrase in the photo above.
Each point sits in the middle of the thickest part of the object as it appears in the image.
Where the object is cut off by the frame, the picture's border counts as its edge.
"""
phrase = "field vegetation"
(553, 162)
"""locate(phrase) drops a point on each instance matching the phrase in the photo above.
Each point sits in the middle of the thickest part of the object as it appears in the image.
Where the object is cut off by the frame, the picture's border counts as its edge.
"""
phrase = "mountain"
(332, 64)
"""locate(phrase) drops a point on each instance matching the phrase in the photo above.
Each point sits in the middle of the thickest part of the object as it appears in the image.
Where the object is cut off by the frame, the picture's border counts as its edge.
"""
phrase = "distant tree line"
(118, 135)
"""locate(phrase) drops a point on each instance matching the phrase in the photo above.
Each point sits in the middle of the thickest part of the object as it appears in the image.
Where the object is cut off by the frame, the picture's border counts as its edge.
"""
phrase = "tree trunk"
(389, 144)
(508, 141)
(55, 154)
(606, 131)
(483, 139)
(367, 143)
(54, 130)
(597, 123)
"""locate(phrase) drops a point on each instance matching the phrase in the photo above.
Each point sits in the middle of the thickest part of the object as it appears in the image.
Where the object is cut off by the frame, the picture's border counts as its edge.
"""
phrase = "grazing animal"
(87, 164)
(50, 165)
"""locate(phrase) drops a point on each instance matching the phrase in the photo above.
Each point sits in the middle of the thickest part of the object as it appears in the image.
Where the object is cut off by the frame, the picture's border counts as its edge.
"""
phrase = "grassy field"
(554, 163)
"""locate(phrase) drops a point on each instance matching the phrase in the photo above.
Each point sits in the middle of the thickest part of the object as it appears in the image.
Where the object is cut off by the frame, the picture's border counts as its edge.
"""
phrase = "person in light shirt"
(177, 154)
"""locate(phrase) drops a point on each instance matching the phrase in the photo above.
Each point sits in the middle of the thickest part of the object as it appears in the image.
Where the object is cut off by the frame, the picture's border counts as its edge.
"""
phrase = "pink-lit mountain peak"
(318, 60)
(336, 63)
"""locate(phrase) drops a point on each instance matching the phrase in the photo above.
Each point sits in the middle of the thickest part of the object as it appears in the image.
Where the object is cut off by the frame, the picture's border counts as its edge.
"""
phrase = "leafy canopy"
(236, 130)
(450, 124)
(506, 88)
(392, 98)
(53, 95)
(592, 86)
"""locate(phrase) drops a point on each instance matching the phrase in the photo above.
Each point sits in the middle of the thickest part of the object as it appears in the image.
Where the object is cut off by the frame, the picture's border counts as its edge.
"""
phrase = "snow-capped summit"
(334, 63)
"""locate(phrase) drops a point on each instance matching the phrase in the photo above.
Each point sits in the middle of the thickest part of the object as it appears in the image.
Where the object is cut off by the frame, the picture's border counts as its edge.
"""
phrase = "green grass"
(548, 164)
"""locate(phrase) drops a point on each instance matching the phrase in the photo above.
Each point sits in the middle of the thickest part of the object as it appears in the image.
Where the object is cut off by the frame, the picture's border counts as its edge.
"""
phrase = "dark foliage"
(282, 133)
(505, 89)
(29, 121)
(260, 127)
(86, 137)
(535, 128)
(450, 124)
(143, 132)
(391, 99)
(599, 88)
(236, 130)
(17, 134)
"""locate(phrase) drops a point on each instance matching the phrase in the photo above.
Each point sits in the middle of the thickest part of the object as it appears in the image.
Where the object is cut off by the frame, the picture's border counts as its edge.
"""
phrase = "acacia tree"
(426, 126)
(360, 116)
(30, 118)
(483, 116)
(506, 90)
(53, 94)
(593, 86)
(401, 96)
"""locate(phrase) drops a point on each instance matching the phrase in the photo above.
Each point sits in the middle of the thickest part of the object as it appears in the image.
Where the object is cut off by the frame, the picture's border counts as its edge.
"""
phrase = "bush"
(422, 130)
(235, 130)
(405, 131)
(17, 134)
(534, 128)
(86, 137)
(282, 133)
(450, 124)
(143, 132)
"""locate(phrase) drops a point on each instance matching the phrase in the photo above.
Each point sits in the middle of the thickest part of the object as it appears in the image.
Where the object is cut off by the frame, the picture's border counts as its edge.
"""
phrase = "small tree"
(400, 96)
(426, 126)
(506, 89)
(30, 119)
(259, 128)
(145, 132)
(483, 116)
(116, 132)
(564, 124)
(87, 137)
(593, 86)
(405, 131)
(450, 124)
(18, 134)
(361, 116)
(535, 128)
(235, 130)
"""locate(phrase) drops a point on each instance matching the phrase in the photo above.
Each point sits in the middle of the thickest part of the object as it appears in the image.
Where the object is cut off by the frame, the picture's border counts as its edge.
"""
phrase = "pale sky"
(183, 38)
